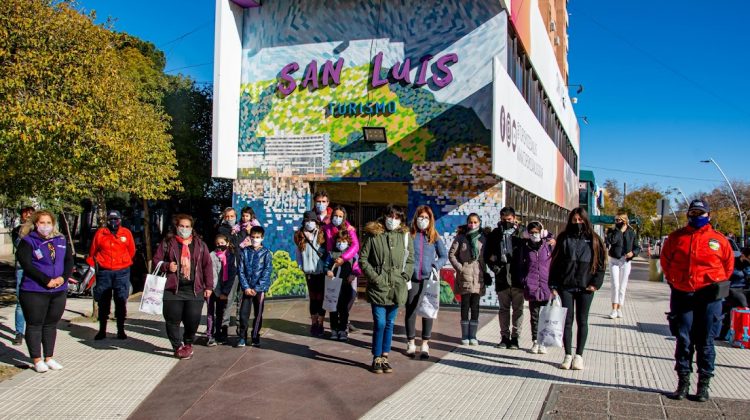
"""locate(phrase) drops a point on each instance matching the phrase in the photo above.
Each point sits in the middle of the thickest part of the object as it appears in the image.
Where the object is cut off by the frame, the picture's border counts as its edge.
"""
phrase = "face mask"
(184, 232)
(257, 241)
(578, 228)
(619, 225)
(391, 223)
(698, 221)
(321, 207)
(423, 223)
(310, 226)
(507, 225)
(113, 224)
(221, 247)
(473, 228)
(44, 230)
(342, 246)
(231, 222)
(337, 221)
(536, 237)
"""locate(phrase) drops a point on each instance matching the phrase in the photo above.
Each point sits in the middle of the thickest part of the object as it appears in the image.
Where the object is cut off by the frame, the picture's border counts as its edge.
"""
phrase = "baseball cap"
(113, 214)
(699, 204)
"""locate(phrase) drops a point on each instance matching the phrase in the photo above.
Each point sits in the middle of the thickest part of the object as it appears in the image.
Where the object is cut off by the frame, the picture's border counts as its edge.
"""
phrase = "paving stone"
(575, 415)
(732, 408)
(635, 397)
(576, 404)
(691, 414)
(580, 392)
(642, 411)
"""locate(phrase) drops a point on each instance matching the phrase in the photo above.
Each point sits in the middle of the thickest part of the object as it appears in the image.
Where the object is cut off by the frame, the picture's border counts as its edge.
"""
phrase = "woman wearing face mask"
(311, 258)
(190, 280)
(430, 255)
(535, 258)
(467, 259)
(576, 272)
(387, 260)
(47, 263)
(623, 247)
(351, 255)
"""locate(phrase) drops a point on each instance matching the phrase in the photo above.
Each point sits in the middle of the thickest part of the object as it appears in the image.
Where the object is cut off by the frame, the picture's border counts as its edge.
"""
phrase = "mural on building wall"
(315, 72)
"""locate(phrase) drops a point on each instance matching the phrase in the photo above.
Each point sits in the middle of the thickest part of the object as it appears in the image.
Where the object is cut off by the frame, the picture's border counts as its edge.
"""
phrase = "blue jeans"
(112, 283)
(695, 320)
(20, 321)
(383, 319)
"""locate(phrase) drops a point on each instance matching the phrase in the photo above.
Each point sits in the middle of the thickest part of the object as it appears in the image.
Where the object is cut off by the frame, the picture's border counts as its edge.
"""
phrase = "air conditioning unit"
(552, 26)
(557, 40)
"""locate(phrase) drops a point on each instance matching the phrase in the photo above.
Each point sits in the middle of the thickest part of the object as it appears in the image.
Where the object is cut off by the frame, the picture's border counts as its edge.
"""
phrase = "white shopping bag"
(152, 300)
(429, 300)
(331, 295)
(551, 324)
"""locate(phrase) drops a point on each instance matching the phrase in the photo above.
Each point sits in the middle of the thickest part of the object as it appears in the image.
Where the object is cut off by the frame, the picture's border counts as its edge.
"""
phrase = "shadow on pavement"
(85, 335)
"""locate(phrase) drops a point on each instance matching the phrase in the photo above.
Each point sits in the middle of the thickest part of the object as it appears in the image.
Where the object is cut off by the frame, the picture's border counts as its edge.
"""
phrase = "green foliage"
(446, 293)
(287, 279)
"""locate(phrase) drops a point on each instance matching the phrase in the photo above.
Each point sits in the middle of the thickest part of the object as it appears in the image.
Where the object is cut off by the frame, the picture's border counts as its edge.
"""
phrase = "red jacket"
(695, 258)
(112, 252)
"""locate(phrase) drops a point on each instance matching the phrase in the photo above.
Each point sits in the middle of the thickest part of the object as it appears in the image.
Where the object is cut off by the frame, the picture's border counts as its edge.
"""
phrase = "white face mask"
(536, 237)
(342, 246)
(391, 223)
(423, 223)
(337, 221)
(256, 241)
(184, 232)
(310, 226)
(321, 207)
(44, 230)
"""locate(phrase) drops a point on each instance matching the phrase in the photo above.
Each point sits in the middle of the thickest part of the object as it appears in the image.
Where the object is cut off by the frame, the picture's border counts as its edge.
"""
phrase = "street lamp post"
(736, 201)
(683, 195)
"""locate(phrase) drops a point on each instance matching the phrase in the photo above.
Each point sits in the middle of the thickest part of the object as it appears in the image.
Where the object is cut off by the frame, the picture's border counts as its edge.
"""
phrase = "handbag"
(406, 256)
(152, 300)
(551, 324)
(332, 291)
(429, 300)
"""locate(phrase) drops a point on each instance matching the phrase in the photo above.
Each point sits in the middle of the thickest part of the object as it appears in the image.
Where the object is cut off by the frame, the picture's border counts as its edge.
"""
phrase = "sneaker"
(565, 365)
(473, 342)
(465, 342)
(542, 349)
(255, 342)
(241, 343)
(353, 329)
(343, 336)
(619, 313)
(504, 343)
(211, 342)
(424, 352)
(535, 348)
(377, 365)
(334, 335)
(513, 343)
(52, 364)
(41, 367)
(185, 352)
(18, 340)
(613, 314)
(411, 349)
(577, 362)
(386, 366)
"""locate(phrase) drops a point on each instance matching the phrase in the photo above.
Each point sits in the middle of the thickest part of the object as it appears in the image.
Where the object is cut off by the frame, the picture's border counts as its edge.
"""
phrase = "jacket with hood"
(112, 251)
(469, 272)
(255, 268)
(200, 259)
(533, 270)
(386, 264)
(499, 245)
(352, 253)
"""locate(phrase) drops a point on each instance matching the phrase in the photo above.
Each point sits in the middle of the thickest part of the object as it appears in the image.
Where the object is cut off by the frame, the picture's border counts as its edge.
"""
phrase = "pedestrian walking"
(15, 234)
(224, 265)
(534, 266)
(503, 245)
(467, 258)
(112, 251)
(256, 265)
(623, 247)
(229, 227)
(338, 266)
(387, 260)
(190, 280)
(311, 258)
(430, 255)
(339, 222)
(47, 263)
(697, 262)
(576, 272)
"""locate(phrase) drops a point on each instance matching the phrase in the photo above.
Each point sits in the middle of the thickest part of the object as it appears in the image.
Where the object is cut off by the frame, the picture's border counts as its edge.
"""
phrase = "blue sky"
(665, 82)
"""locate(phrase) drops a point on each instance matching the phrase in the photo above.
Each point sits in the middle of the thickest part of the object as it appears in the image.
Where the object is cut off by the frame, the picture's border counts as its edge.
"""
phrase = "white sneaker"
(41, 367)
(542, 349)
(577, 363)
(52, 364)
(535, 348)
(565, 365)
(619, 313)
(425, 351)
(613, 314)
(411, 349)
(465, 342)
(473, 342)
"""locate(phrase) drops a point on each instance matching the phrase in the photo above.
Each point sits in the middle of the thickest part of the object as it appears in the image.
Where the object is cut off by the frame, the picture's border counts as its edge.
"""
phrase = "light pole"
(736, 201)
(682, 194)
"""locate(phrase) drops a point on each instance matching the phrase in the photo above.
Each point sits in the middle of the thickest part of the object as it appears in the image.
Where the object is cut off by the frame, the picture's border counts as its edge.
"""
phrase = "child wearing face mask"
(533, 266)
(467, 259)
(343, 269)
(225, 270)
(256, 265)
(311, 258)
(338, 223)
(247, 221)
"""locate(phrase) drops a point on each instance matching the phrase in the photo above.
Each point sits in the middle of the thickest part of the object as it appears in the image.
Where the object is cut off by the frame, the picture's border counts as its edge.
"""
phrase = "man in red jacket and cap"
(697, 262)
(112, 252)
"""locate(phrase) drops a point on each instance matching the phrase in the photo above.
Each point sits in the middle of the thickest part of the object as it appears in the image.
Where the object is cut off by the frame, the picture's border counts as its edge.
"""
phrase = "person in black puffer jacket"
(576, 272)
(623, 247)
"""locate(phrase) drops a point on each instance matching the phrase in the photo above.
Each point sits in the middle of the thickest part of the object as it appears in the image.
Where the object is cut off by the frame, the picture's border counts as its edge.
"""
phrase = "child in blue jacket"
(255, 280)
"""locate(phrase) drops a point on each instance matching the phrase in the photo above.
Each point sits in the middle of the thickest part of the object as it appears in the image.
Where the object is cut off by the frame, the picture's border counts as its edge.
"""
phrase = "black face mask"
(113, 225)
(221, 247)
(619, 225)
(507, 225)
(578, 228)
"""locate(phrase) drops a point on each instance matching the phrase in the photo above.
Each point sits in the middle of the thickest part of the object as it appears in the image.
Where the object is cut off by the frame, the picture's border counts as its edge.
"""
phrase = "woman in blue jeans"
(387, 260)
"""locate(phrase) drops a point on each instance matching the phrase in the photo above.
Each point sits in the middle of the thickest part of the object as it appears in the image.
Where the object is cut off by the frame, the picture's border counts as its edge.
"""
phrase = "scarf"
(473, 237)
(223, 258)
(185, 256)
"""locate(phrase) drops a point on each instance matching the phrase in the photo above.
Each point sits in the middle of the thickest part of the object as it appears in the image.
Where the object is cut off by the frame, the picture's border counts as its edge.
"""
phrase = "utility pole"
(624, 192)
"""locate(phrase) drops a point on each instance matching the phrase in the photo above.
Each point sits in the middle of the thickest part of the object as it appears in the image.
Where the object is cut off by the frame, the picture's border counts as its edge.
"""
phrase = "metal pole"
(736, 201)
(683, 196)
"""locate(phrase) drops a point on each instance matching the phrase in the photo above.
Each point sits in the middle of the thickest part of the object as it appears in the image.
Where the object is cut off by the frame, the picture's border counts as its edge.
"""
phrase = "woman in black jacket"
(623, 247)
(576, 272)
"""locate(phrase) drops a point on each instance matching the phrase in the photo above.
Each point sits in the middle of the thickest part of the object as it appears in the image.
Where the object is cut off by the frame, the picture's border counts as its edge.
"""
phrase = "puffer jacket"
(620, 243)
(571, 266)
(533, 270)
(224, 287)
(112, 251)
(696, 258)
(428, 256)
(352, 253)
(255, 268)
(469, 274)
(386, 264)
(169, 251)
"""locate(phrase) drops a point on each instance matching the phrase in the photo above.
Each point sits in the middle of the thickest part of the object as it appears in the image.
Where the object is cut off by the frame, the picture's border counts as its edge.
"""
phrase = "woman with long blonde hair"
(623, 247)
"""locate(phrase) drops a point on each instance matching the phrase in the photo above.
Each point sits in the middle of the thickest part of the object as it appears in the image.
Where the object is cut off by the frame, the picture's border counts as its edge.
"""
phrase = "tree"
(612, 196)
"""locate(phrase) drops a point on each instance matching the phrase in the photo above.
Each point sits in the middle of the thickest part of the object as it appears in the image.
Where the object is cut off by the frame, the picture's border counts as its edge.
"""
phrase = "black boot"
(703, 385)
(120, 312)
(683, 386)
(121, 329)
(102, 334)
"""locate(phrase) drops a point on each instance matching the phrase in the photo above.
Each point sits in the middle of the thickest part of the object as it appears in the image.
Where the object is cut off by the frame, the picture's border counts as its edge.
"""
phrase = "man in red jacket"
(697, 262)
(112, 252)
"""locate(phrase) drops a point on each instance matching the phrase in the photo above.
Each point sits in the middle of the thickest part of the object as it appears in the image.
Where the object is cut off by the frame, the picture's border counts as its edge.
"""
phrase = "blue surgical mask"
(310, 226)
(698, 221)
(392, 223)
(321, 207)
(342, 246)
(337, 221)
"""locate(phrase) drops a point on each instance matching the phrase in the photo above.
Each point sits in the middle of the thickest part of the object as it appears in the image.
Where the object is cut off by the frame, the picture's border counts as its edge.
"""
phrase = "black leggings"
(182, 308)
(340, 318)
(257, 303)
(412, 301)
(42, 312)
(578, 303)
(470, 301)
(315, 289)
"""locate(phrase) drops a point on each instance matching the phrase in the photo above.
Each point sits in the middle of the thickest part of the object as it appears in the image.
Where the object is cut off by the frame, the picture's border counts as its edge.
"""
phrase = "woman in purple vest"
(47, 263)
(535, 257)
